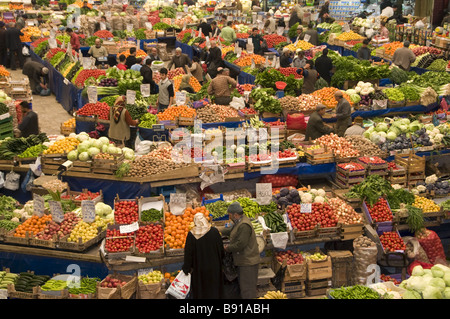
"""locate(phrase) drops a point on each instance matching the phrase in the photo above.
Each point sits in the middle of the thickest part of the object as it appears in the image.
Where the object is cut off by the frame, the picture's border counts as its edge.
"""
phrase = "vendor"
(152, 55)
(98, 51)
(300, 60)
(214, 59)
(40, 20)
(121, 65)
(316, 127)
(285, 59)
(204, 27)
(180, 60)
(120, 122)
(215, 31)
(30, 124)
(403, 57)
(147, 76)
(300, 33)
(37, 74)
(222, 86)
(270, 24)
(131, 58)
(364, 52)
(398, 16)
(356, 128)
(74, 39)
(384, 4)
(313, 34)
(310, 77)
(106, 23)
(343, 114)
(327, 18)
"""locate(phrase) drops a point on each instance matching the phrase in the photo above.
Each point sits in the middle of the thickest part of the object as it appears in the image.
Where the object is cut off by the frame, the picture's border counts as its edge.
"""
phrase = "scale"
(103, 62)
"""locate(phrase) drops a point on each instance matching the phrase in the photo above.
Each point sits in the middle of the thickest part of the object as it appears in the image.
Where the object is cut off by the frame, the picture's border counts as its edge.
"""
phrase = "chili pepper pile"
(354, 292)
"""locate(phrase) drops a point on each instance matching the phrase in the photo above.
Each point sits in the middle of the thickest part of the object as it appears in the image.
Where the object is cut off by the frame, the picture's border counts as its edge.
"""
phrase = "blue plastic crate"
(384, 225)
(209, 201)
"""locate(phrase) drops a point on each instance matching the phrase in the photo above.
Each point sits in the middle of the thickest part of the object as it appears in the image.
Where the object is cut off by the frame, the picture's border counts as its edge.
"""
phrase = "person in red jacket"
(74, 40)
(121, 65)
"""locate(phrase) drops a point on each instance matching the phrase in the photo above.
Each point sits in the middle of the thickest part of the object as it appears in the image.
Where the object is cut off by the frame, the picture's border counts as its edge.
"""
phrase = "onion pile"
(225, 111)
(341, 146)
(308, 102)
(345, 213)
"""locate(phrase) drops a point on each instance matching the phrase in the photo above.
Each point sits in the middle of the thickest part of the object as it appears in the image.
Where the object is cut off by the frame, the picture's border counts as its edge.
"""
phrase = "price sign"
(86, 63)
(56, 211)
(177, 203)
(346, 27)
(180, 98)
(130, 27)
(145, 90)
(92, 94)
(280, 31)
(305, 208)
(88, 210)
(200, 32)
(148, 26)
(131, 96)
(52, 33)
(52, 44)
(185, 9)
(66, 82)
(253, 64)
(264, 193)
(125, 229)
(144, 271)
(307, 37)
(184, 25)
(38, 205)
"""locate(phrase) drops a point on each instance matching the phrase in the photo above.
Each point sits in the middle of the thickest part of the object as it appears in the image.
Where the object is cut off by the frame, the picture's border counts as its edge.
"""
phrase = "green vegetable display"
(251, 208)
(292, 33)
(123, 170)
(395, 197)
(265, 101)
(431, 78)
(26, 281)
(398, 76)
(140, 34)
(438, 65)
(109, 99)
(33, 151)
(57, 58)
(147, 120)
(8, 224)
(394, 94)
(11, 147)
(275, 222)
(270, 76)
(410, 93)
(54, 285)
(151, 215)
(354, 292)
(3, 108)
(161, 26)
(371, 189)
(87, 286)
(218, 209)
(136, 111)
(415, 220)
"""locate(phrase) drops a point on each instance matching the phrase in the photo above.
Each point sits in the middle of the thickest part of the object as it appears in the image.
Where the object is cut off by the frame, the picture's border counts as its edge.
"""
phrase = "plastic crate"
(209, 201)
(369, 218)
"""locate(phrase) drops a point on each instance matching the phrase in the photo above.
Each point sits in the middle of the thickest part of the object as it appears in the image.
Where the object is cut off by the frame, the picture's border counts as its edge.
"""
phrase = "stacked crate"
(372, 168)
(318, 276)
(293, 284)
(398, 176)
(347, 175)
(342, 268)
(20, 90)
(414, 166)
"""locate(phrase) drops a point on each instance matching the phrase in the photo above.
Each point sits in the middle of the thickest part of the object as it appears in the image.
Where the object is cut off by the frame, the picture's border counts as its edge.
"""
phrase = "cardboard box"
(151, 291)
(293, 272)
(317, 270)
(125, 292)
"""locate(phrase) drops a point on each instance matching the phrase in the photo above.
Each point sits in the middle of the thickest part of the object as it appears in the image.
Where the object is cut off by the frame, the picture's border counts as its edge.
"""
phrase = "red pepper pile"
(275, 123)
(241, 35)
(288, 71)
(280, 180)
(153, 17)
(49, 55)
(321, 214)
(149, 238)
(126, 212)
(180, 35)
(85, 74)
(100, 109)
(286, 154)
(353, 42)
(103, 34)
(273, 39)
(391, 241)
(380, 212)
(386, 278)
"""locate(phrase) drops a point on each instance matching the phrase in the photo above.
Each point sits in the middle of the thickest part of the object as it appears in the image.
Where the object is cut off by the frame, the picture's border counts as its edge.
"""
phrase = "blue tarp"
(142, 44)
(304, 170)
(246, 78)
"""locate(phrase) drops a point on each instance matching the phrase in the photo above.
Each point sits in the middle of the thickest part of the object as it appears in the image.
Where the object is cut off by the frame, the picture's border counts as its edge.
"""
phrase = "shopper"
(300, 60)
(179, 60)
(131, 58)
(313, 34)
(384, 4)
(324, 65)
(147, 75)
(324, 10)
(356, 128)
(40, 20)
(107, 24)
(403, 57)
(343, 114)
(3, 47)
(74, 39)
(37, 75)
(203, 254)
(300, 33)
(215, 31)
(98, 51)
(285, 58)
(257, 40)
(204, 27)
(184, 84)
(295, 16)
(270, 25)
(120, 122)
(316, 127)
(228, 33)
(384, 32)
(138, 65)
(121, 65)
(398, 16)
(327, 18)
(30, 124)
(14, 46)
(196, 69)
(310, 77)
(152, 55)
(244, 248)
(221, 87)
(214, 59)
(166, 91)
(364, 52)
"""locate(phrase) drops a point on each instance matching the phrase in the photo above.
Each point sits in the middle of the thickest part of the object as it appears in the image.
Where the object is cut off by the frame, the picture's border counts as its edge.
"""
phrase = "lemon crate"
(107, 166)
(79, 245)
(306, 234)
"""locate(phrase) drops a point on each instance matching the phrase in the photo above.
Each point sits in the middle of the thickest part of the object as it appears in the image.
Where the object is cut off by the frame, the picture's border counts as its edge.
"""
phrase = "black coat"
(13, 41)
(130, 61)
(324, 65)
(2, 39)
(385, 4)
(206, 28)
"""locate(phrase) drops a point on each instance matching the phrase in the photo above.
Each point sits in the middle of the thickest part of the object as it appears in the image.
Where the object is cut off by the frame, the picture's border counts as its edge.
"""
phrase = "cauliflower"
(438, 138)
(431, 179)
(15, 219)
(396, 186)
(319, 199)
(313, 191)
(321, 192)
(415, 191)
(421, 188)
(306, 198)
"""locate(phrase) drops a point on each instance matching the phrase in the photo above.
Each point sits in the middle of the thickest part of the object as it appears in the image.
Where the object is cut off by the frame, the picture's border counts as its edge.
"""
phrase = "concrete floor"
(50, 113)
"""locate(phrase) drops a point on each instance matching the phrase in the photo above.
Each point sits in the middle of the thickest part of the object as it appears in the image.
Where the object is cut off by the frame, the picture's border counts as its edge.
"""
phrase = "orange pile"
(139, 53)
(32, 225)
(177, 227)
(176, 82)
(391, 47)
(4, 71)
(174, 111)
(62, 146)
(69, 123)
(246, 60)
(195, 84)
(327, 96)
(247, 87)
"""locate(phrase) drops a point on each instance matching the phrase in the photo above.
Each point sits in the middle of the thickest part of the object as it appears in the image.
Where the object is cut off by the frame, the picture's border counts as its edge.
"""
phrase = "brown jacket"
(180, 62)
(197, 71)
(403, 57)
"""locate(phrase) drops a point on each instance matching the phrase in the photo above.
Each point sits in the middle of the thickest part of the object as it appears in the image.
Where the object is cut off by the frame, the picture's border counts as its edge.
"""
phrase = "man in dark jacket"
(37, 73)
(147, 75)
(29, 124)
(343, 114)
(364, 52)
(131, 59)
(316, 127)
(285, 58)
(245, 251)
(179, 60)
(214, 59)
(324, 10)
(14, 46)
(324, 65)
(310, 77)
(313, 34)
(3, 48)
(206, 28)
(384, 4)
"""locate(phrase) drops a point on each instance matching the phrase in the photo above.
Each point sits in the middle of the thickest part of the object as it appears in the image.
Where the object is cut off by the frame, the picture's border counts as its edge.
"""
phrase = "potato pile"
(364, 242)
(147, 165)
(208, 115)
(364, 146)
(290, 103)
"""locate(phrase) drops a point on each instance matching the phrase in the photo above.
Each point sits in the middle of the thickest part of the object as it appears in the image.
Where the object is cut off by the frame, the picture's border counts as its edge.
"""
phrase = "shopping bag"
(180, 286)
(25, 51)
(12, 181)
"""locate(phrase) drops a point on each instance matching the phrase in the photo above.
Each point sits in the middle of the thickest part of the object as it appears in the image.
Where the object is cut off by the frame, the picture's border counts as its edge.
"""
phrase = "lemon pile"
(427, 205)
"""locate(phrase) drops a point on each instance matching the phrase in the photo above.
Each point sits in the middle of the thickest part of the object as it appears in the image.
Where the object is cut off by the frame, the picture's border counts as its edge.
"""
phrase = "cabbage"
(395, 129)
(415, 126)
(437, 272)
(102, 209)
(128, 154)
(73, 135)
(391, 136)
(93, 151)
(381, 127)
(411, 294)
(432, 293)
(382, 134)
(72, 156)
(84, 156)
(416, 283)
(82, 147)
(438, 283)
(447, 278)
(405, 121)
(104, 140)
(376, 138)
(351, 91)
(111, 149)
(355, 98)
(98, 144)
(418, 271)
(446, 293)
(403, 128)
(429, 127)
(83, 136)
(104, 148)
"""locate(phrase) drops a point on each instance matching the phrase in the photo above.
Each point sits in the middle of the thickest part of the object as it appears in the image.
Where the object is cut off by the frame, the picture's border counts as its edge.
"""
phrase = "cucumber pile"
(26, 281)
(275, 222)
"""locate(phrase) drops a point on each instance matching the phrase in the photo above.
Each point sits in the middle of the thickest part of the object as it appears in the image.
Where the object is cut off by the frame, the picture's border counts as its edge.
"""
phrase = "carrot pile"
(174, 111)
(32, 225)
(4, 71)
(327, 96)
(391, 47)
(177, 227)
(246, 60)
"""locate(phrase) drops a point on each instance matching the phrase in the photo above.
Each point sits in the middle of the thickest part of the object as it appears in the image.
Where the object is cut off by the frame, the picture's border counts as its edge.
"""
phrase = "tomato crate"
(120, 254)
(342, 268)
(380, 172)
(400, 171)
(369, 218)
(347, 172)
(76, 196)
(331, 232)
(374, 166)
(393, 255)
(158, 253)
(411, 162)
(306, 234)
(316, 270)
(293, 286)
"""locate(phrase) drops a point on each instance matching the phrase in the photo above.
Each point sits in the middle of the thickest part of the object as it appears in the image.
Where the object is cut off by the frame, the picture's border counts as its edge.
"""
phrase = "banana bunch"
(274, 295)
(7, 278)
(257, 226)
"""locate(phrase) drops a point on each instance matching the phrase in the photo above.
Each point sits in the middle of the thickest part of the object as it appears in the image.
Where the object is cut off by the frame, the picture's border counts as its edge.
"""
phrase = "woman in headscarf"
(184, 85)
(203, 254)
(119, 122)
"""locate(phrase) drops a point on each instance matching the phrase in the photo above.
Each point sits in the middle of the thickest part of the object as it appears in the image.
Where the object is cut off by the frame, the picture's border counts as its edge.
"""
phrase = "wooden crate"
(50, 163)
(317, 270)
(185, 121)
(13, 294)
(344, 184)
(314, 158)
(107, 166)
(61, 294)
(11, 239)
(296, 295)
(411, 162)
(168, 252)
(293, 286)
(79, 245)
(307, 234)
(74, 196)
(348, 232)
(51, 244)
(342, 261)
(293, 272)
(81, 167)
(66, 131)
(328, 231)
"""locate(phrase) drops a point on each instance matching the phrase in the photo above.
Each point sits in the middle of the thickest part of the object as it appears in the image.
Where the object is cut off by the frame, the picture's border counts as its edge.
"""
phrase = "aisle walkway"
(50, 113)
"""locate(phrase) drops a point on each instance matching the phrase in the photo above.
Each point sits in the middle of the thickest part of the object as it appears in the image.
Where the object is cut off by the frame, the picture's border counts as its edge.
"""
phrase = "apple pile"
(149, 238)
(290, 257)
(290, 70)
(380, 212)
(110, 282)
(126, 212)
(391, 241)
(62, 229)
(321, 214)
(117, 242)
(173, 73)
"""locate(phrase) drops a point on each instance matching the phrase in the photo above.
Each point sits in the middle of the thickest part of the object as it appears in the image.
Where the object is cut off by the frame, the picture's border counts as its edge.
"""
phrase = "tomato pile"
(288, 71)
(391, 241)
(290, 257)
(352, 167)
(123, 242)
(100, 109)
(126, 212)
(258, 157)
(321, 214)
(280, 180)
(386, 278)
(149, 238)
(87, 196)
(103, 34)
(273, 39)
(242, 35)
(393, 166)
(276, 123)
(372, 160)
(86, 74)
(248, 111)
(286, 154)
(380, 212)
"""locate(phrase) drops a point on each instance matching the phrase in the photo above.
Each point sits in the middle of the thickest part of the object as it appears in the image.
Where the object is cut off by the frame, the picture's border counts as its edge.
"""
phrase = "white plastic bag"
(2, 179)
(180, 286)
(25, 51)
(36, 167)
(387, 12)
(420, 25)
(12, 181)
(237, 103)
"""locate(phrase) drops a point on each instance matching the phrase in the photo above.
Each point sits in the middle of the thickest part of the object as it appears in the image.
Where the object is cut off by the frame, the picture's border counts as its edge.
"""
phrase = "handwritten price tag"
(131, 96)
(144, 271)
(56, 211)
(88, 210)
(145, 90)
(92, 94)
(38, 205)
(264, 193)
(307, 37)
(180, 98)
(305, 208)
(177, 203)
(125, 229)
